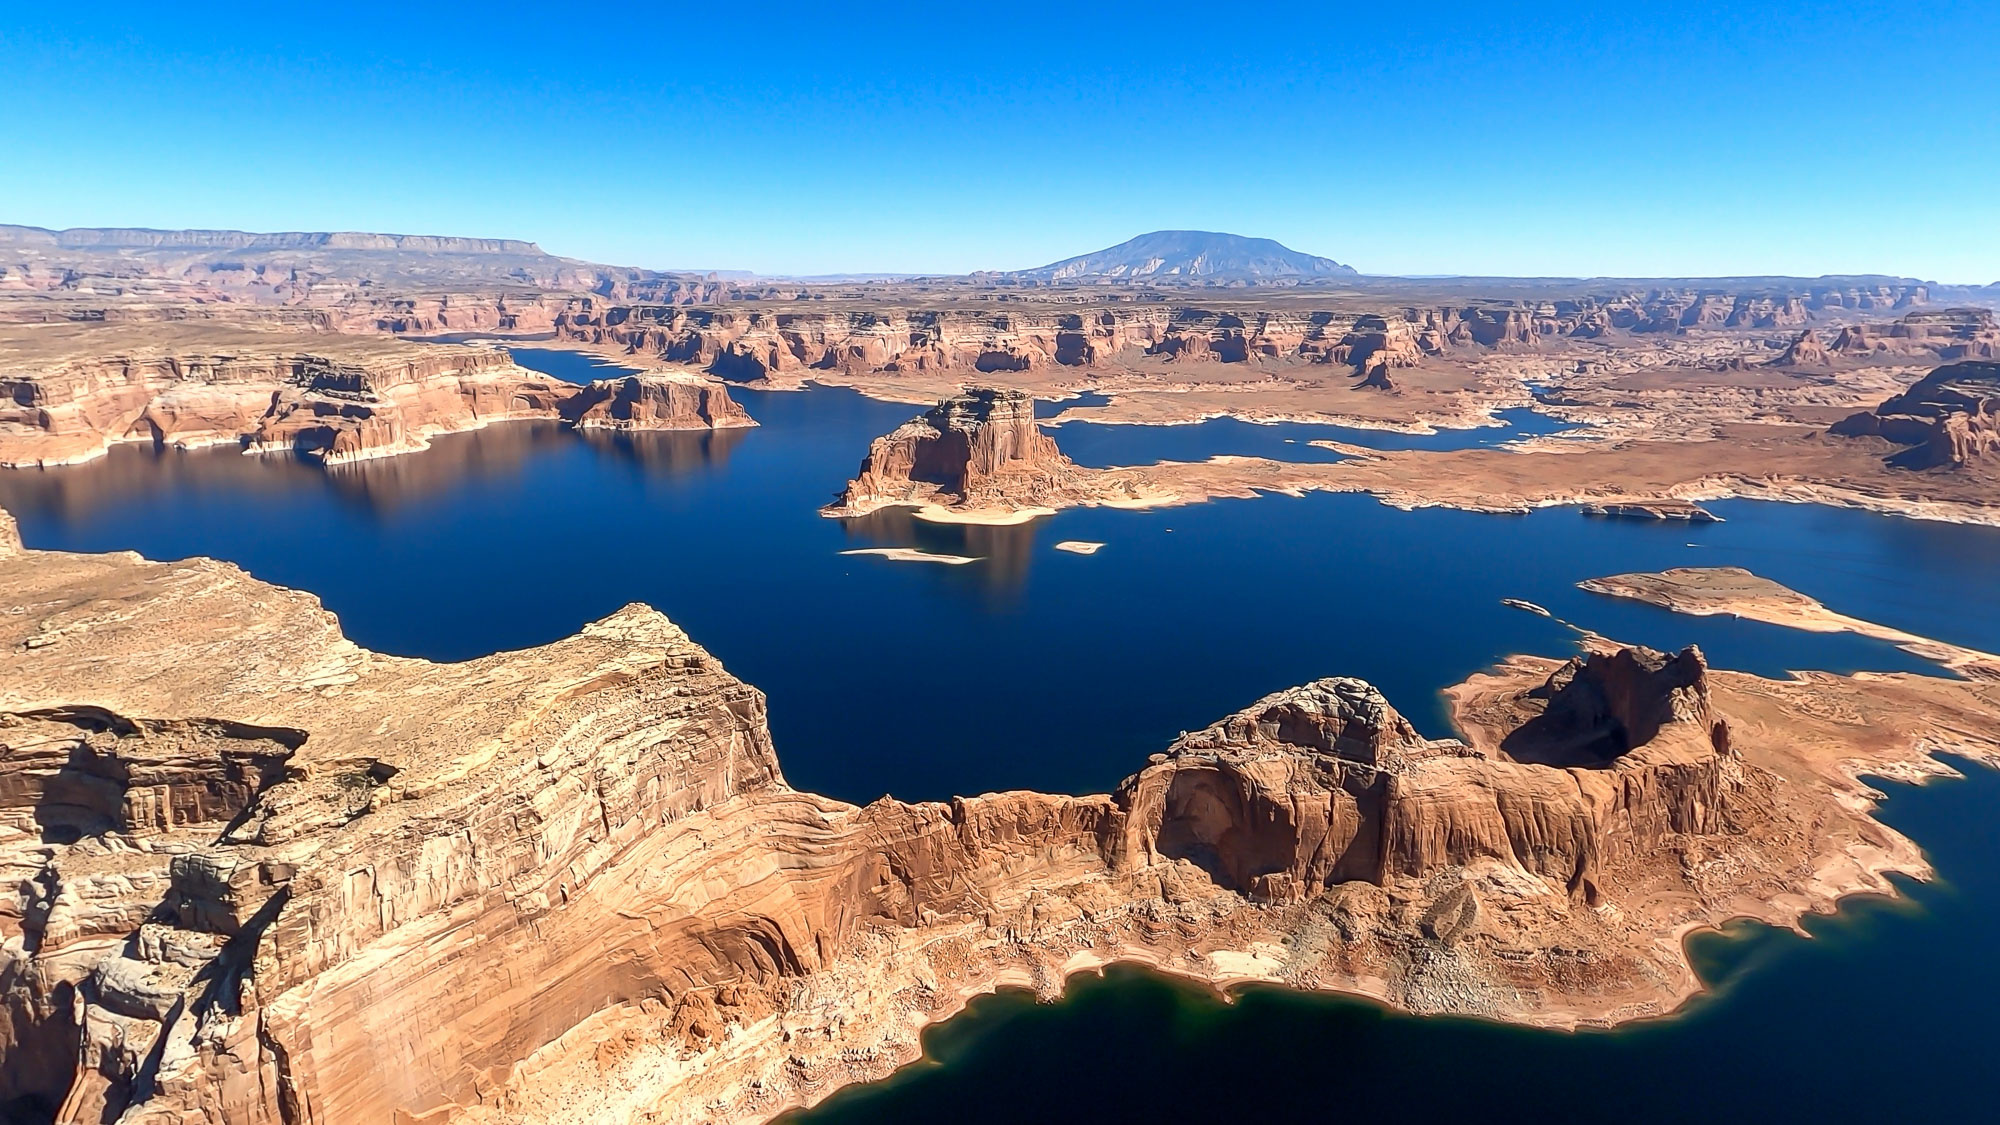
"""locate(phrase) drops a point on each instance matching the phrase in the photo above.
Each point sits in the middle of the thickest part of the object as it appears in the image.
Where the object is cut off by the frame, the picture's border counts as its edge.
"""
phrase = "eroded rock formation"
(1949, 419)
(1945, 334)
(260, 874)
(329, 400)
(976, 452)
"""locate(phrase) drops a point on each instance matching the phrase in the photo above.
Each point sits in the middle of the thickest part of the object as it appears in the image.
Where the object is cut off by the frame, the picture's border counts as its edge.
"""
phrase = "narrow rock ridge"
(349, 402)
(253, 861)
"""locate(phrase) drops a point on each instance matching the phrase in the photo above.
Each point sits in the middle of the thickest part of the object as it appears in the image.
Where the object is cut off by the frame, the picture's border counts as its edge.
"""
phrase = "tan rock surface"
(1706, 591)
(262, 874)
(1950, 419)
(70, 392)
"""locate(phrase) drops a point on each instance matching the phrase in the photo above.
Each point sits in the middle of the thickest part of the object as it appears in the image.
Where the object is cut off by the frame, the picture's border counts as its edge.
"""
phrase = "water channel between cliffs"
(1039, 668)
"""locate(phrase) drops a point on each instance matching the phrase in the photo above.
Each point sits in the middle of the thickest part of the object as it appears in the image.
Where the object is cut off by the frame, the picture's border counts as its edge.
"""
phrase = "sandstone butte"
(258, 873)
(67, 395)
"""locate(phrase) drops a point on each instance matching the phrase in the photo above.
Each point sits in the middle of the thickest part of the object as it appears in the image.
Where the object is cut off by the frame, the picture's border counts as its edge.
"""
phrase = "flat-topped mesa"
(1944, 334)
(1949, 419)
(978, 450)
(656, 402)
(1808, 350)
(72, 394)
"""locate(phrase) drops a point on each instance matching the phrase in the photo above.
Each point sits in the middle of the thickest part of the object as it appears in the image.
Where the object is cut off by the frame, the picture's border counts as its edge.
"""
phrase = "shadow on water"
(1884, 1015)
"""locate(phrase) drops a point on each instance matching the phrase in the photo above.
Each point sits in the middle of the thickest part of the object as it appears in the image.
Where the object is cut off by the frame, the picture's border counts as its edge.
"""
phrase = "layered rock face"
(1326, 783)
(262, 874)
(333, 405)
(887, 337)
(1950, 419)
(1808, 350)
(655, 402)
(1946, 334)
(981, 450)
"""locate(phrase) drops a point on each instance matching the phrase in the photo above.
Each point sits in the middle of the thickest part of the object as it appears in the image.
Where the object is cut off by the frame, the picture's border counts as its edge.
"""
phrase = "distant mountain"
(1189, 257)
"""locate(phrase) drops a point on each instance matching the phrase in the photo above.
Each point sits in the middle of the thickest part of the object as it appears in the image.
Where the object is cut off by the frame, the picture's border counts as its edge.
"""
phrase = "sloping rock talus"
(261, 874)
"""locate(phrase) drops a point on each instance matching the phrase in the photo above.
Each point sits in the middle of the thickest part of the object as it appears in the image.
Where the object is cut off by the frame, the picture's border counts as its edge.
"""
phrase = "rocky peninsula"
(570, 883)
(1705, 591)
(68, 393)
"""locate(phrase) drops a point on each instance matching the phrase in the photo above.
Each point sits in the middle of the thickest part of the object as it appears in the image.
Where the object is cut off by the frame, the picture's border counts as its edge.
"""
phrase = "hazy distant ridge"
(142, 238)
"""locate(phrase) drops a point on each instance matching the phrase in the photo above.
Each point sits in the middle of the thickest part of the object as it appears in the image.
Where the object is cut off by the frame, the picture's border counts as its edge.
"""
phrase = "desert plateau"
(839, 566)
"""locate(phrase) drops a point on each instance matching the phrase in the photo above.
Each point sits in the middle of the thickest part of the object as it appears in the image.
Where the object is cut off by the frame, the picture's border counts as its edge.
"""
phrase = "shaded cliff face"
(340, 401)
(980, 449)
(246, 854)
(1949, 419)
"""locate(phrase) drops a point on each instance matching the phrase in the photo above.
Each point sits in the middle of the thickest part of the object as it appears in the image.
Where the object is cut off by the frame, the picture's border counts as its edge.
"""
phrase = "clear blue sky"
(1637, 138)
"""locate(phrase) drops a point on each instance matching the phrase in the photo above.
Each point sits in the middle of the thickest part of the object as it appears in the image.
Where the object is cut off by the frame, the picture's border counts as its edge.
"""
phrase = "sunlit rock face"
(1949, 419)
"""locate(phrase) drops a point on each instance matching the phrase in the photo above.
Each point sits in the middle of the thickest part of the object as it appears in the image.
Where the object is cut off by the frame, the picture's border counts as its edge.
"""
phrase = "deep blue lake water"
(1036, 668)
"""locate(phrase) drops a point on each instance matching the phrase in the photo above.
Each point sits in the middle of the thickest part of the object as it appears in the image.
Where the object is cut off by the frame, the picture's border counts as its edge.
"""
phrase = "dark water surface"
(1030, 668)
(1044, 669)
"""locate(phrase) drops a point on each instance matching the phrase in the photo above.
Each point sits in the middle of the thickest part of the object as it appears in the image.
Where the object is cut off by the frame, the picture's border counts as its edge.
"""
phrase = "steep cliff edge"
(261, 874)
(68, 395)
(976, 456)
(1950, 419)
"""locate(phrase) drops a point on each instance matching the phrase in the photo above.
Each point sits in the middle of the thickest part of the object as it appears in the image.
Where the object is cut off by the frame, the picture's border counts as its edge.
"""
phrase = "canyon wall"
(1950, 419)
(332, 404)
(261, 874)
(743, 342)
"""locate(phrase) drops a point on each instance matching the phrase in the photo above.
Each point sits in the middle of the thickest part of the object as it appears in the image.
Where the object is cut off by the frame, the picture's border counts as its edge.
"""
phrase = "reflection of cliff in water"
(136, 473)
(139, 472)
(1006, 551)
(670, 452)
(385, 483)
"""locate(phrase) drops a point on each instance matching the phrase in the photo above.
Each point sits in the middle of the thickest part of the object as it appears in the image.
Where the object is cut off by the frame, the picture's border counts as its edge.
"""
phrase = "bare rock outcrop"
(980, 452)
(655, 402)
(329, 399)
(1805, 351)
(261, 874)
(1949, 419)
(1942, 334)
